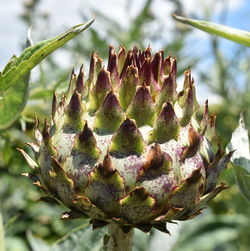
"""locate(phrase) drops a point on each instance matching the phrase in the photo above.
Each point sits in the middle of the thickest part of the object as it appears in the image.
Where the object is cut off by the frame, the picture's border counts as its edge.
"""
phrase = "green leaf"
(82, 238)
(14, 243)
(243, 181)
(37, 244)
(42, 94)
(13, 102)
(236, 35)
(14, 99)
(14, 80)
(211, 232)
(31, 56)
(2, 245)
(241, 157)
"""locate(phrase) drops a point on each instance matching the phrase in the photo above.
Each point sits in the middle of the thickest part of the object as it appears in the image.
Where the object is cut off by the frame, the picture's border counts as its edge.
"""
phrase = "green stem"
(117, 240)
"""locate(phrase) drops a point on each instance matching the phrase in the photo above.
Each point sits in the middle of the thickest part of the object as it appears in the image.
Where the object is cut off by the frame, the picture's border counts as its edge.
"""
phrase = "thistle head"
(124, 146)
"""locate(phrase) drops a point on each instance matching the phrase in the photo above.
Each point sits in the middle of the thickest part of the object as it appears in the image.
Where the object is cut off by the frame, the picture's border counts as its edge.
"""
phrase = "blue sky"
(66, 13)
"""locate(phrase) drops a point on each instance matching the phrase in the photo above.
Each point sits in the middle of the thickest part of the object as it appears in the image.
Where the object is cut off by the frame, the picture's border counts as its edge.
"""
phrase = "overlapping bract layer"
(124, 146)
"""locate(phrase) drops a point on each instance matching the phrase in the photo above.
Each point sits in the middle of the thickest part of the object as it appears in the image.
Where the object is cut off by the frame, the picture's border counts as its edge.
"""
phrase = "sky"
(64, 14)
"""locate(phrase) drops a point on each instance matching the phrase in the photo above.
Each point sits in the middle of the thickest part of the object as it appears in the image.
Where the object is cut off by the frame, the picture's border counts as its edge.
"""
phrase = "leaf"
(14, 80)
(37, 244)
(42, 94)
(243, 181)
(31, 56)
(236, 35)
(211, 232)
(13, 102)
(14, 243)
(82, 238)
(241, 157)
(2, 245)
(14, 99)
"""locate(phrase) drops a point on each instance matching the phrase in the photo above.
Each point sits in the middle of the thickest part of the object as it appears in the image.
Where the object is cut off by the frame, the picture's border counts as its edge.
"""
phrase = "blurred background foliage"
(225, 225)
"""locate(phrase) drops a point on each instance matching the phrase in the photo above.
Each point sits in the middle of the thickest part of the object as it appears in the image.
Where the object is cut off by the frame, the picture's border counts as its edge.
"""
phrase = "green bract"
(124, 146)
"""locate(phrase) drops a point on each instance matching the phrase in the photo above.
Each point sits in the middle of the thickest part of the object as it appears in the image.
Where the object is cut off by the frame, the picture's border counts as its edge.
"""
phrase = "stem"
(119, 241)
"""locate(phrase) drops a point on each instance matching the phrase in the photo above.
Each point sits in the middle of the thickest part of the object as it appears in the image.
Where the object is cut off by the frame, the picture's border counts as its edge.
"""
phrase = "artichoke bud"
(75, 111)
(109, 116)
(71, 86)
(210, 131)
(38, 134)
(156, 66)
(107, 168)
(47, 139)
(167, 65)
(85, 142)
(94, 68)
(106, 186)
(46, 133)
(156, 163)
(136, 155)
(187, 107)
(61, 180)
(128, 86)
(167, 92)
(137, 206)
(121, 58)
(205, 119)
(166, 126)
(99, 91)
(127, 139)
(182, 194)
(194, 143)
(142, 108)
(54, 107)
(173, 69)
(127, 63)
(80, 81)
(145, 72)
(187, 99)
(113, 67)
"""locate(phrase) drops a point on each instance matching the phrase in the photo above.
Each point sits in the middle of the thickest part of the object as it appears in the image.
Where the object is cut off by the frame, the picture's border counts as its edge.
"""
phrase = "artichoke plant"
(124, 148)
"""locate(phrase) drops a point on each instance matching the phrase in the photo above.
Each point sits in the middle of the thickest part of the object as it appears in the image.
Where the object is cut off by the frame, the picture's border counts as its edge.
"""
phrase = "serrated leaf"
(241, 157)
(236, 35)
(83, 238)
(31, 56)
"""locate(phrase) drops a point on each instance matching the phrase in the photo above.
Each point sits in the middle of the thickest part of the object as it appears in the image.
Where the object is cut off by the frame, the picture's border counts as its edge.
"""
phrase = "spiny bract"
(124, 146)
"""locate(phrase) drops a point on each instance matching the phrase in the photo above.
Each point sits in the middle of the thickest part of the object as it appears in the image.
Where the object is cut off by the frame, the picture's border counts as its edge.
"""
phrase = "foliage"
(214, 232)
(241, 157)
(238, 36)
